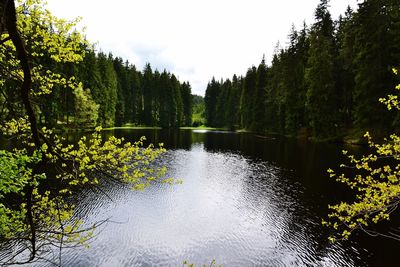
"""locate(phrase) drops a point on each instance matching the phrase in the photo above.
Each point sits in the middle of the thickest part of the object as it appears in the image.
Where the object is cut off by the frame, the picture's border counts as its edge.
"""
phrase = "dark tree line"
(326, 82)
(114, 93)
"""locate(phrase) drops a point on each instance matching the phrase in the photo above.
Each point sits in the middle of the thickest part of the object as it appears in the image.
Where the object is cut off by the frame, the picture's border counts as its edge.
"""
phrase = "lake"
(245, 200)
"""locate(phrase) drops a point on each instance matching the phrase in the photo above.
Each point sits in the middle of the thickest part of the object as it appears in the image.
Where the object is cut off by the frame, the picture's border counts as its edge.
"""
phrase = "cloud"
(193, 39)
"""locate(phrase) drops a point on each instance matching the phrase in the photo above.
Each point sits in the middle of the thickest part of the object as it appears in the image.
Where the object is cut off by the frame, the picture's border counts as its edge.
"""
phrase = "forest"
(126, 95)
(108, 92)
(334, 80)
(326, 83)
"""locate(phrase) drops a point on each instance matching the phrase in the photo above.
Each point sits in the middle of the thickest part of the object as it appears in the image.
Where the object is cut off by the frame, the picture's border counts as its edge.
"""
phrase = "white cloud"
(193, 39)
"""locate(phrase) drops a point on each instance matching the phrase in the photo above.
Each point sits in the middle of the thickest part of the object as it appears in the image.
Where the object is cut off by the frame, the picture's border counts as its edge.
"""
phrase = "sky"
(194, 39)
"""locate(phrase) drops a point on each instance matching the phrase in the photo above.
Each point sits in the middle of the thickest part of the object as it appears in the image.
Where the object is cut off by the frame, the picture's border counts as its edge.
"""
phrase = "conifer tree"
(210, 101)
(147, 89)
(322, 107)
(377, 38)
(186, 93)
(344, 74)
(247, 97)
(106, 95)
(259, 96)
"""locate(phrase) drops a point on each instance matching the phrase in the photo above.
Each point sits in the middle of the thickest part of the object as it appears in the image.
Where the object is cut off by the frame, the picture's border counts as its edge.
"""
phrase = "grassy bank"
(202, 127)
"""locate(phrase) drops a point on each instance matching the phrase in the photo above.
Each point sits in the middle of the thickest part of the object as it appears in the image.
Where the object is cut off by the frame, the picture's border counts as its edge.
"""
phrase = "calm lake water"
(245, 200)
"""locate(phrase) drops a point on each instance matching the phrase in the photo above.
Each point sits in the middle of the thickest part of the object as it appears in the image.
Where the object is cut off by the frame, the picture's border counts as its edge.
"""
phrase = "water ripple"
(230, 208)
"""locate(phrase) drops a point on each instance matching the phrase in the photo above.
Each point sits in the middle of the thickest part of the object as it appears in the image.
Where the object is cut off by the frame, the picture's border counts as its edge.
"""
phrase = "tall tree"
(232, 118)
(258, 105)
(274, 104)
(210, 100)
(134, 105)
(377, 50)
(122, 86)
(187, 102)
(148, 94)
(295, 62)
(175, 103)
(247, 97)
(322, 99)
(165, 100)
(345, 72)
(106, 95)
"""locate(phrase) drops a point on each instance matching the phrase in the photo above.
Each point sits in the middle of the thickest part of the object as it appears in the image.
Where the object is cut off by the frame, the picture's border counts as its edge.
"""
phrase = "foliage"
(247, 97)
(210, 100)
(198, 111)
(124, 94)
(319, 76)
(49, 41)
(222, 103)
(86, 110)
(324, 84)
(107, 94)
(37, 179)
(377, 182)
(15, 175)
(376, 49)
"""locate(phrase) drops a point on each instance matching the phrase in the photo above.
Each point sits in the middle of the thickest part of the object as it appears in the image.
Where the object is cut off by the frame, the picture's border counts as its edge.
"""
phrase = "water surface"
(245, 200)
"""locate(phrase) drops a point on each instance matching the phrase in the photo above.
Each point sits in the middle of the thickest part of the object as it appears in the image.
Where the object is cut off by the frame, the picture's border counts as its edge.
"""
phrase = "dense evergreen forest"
(125, 95)
(326, 83)
(111, 92)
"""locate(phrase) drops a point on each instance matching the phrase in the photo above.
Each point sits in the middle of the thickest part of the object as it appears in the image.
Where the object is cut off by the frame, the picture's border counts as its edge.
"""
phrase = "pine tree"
(175, 103)
(345, 76)
(186, 93)
(232, 103)
(210, 100)
(274, 102)
(106, 93)
(133, 104)
(165, 91)
(259, 97)
(322, 100)
(377, 50)
(247, 97)
(147, 89)
(122, 87)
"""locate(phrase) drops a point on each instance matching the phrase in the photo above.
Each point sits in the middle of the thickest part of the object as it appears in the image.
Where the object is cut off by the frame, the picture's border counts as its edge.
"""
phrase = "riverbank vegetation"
(325, 84)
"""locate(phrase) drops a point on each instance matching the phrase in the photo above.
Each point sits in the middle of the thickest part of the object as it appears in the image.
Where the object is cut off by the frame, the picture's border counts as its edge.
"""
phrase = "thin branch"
(5, 40)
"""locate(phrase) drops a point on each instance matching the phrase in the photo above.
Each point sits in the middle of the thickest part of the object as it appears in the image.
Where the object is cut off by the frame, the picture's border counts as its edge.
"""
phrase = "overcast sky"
(196, 40)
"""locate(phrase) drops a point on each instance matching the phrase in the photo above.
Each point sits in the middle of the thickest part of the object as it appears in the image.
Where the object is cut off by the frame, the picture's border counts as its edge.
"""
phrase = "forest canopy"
(325, 84)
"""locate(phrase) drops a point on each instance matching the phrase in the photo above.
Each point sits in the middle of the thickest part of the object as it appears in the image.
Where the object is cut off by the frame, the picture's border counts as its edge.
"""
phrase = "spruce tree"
(259, 96)
(186, 93)
(322, 107)
(147, 89)
(377, 51)
(247, 97)
(210, 101)
(106, 95)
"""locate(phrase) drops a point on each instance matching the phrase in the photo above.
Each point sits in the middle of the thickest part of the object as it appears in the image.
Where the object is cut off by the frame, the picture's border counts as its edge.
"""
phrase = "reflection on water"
(245, 201)
(229, 208)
